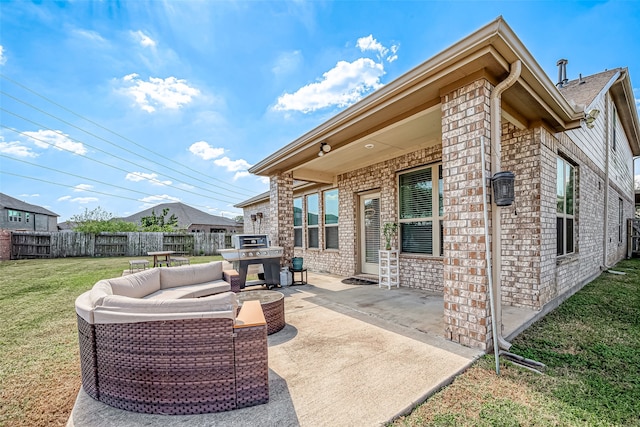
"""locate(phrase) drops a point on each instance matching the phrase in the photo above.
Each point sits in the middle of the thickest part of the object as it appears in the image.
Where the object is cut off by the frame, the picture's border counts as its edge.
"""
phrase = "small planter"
(297, 263)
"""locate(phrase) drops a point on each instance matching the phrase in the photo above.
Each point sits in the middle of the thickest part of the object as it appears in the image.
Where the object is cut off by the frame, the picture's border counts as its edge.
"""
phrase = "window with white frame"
(15, 216)
(297, 222)
(614, 124)
(313, 213)
(26, 217)
(330, 198)
(565, 211)
(620, 219)
(421, 210)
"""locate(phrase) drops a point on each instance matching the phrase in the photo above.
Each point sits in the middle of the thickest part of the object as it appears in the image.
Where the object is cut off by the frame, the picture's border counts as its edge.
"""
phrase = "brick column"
(465, 119)
(281, 214)
(5, 245)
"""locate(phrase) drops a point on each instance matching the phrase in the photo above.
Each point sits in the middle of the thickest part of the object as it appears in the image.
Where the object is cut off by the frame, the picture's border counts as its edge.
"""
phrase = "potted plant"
(390, 230)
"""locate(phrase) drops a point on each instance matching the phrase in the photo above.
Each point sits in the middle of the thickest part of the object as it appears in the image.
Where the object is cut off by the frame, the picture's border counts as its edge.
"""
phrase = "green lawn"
(591, 346)
(39, 367)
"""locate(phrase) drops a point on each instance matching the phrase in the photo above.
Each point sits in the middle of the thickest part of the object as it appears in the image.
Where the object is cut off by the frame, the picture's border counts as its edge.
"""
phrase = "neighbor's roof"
(9, 202)
(186, 216)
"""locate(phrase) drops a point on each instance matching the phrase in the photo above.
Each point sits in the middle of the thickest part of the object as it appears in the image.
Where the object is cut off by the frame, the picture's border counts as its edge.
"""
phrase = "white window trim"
(436, 220)
(312, 227)
(564, 215)
(325, 225)
(301, 226)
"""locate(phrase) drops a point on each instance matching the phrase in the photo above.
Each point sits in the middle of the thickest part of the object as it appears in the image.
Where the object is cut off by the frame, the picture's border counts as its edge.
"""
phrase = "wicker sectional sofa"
(168, 341)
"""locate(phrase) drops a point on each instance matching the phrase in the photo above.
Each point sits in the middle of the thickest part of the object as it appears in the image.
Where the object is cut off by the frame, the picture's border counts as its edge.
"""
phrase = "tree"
(155, 222)
(100, 221)
(239, 218)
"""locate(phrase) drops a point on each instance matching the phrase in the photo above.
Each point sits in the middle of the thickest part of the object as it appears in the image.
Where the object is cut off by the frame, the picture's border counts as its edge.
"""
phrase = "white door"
(369, 232)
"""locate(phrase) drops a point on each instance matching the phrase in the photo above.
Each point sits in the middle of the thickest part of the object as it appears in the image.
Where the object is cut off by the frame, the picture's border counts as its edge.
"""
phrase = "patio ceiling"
(418, 131)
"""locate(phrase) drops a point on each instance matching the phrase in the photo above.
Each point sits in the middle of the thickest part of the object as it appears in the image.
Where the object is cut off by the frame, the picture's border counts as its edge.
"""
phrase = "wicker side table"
(272, 303)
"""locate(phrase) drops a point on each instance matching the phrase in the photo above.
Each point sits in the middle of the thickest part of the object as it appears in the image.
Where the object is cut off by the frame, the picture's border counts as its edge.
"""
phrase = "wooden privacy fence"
(633, 233)
(34, 244)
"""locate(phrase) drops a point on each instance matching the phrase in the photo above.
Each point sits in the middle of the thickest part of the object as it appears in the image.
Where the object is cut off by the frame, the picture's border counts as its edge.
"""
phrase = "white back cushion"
(171, 277)
(136, 285)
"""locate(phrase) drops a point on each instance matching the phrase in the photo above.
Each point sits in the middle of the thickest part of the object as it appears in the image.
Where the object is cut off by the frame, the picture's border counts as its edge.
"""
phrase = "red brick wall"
(465, 120)
(5, 245)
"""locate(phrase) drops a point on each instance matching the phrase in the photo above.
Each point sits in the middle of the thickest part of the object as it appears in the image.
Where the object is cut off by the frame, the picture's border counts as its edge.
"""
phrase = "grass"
(39, 368)
(591, 346)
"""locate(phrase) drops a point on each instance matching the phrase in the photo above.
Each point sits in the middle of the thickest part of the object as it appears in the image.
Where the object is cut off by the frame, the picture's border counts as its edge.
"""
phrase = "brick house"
(410, 153)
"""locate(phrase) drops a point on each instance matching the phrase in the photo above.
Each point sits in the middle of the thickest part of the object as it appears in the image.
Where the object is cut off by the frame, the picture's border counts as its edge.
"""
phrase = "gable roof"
(8, 202)
(584, 90)
(186, 215)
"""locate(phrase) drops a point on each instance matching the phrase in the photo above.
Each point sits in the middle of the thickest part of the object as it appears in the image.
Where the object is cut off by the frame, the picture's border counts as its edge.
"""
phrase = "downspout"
(496, 222)
(605, 231)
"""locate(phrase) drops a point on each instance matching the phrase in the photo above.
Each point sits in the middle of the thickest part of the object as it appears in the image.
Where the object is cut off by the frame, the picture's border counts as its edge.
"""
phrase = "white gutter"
(496, 222)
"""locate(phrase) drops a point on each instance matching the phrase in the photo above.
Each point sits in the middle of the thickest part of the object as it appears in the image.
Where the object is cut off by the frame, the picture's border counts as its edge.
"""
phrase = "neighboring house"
(190, 219)
(411, 153)
(23, 216)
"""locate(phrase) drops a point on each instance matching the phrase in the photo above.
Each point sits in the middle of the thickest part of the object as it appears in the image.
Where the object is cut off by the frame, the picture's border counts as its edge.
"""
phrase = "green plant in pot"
(390, 230)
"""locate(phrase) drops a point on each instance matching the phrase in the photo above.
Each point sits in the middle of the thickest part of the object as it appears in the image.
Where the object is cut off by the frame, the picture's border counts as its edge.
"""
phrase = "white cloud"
(80, 200)
(89, 35)
(240, 174)
(154, 200)
(370, 44)
(82, 187)
(143, 39)
(141, 176)
(264, 180)
(341, 86)
(56, 139)
(16, 148)
(171, 93)
(206, 152)
(287, 62)
(29, 195)
(3, 58)
(232, 165)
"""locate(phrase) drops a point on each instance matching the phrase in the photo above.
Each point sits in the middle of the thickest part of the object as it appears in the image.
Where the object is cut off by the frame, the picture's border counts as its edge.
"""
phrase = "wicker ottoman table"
(272, 303)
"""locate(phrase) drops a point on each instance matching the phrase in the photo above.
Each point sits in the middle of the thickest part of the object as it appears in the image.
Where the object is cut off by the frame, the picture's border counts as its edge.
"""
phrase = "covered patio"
(348, 355)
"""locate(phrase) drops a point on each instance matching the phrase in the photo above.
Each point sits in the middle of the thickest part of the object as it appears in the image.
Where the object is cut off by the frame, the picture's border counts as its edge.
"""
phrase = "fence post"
(5, 245)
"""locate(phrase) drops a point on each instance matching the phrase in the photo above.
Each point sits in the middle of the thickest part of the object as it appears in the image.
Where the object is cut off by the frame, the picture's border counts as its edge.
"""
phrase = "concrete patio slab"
(349, 355)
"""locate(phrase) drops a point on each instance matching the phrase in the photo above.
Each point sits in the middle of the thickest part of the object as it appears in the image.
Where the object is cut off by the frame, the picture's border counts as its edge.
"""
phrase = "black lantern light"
(503, 188)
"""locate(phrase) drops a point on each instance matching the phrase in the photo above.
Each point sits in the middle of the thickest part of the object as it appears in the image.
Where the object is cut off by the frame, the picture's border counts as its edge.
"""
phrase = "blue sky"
(124, 105)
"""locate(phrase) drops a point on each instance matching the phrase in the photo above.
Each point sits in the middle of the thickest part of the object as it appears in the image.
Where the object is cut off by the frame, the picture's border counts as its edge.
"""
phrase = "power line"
(88, 191)
(102, 151)
(111, 166)
(109, 130)
(93, 135)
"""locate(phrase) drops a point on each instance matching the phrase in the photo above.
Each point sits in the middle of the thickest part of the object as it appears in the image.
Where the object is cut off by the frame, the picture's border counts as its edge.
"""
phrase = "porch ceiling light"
(591, 117)
(324, 148)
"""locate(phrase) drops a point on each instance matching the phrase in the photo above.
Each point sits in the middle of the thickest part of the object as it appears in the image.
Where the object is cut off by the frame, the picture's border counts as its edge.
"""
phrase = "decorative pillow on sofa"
(171, 277)
(136, 285)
